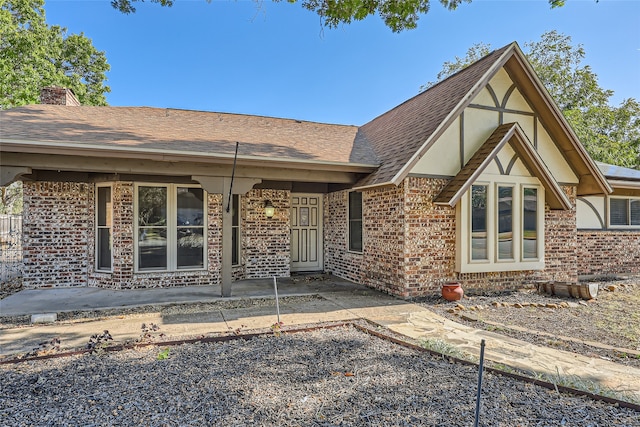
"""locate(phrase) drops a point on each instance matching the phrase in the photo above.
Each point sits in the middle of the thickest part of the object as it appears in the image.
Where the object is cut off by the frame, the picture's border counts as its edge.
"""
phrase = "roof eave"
(98, 151)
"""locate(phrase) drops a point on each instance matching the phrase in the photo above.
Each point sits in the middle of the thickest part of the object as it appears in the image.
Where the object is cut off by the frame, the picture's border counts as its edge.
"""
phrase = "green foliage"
(610, 134)
(163, 354)
(398, 15)
(11, 199)
(34, 55)
(474, 53)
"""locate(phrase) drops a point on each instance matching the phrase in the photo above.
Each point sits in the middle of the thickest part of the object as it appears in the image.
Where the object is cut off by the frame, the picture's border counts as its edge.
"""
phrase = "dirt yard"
(606, 327)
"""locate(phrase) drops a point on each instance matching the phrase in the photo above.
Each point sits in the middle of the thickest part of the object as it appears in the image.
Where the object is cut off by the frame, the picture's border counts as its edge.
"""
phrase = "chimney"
(55, 95)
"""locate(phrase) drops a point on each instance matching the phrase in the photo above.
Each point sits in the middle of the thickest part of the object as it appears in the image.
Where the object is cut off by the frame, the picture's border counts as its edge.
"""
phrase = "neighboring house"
(475, 180)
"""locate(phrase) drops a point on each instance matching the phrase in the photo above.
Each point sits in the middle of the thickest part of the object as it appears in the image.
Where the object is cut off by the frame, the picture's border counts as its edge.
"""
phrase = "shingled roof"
(397, 135)
(161, 129)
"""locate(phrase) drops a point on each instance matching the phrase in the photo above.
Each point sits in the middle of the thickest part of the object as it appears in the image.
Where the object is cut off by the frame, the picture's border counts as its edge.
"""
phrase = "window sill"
(489, 267)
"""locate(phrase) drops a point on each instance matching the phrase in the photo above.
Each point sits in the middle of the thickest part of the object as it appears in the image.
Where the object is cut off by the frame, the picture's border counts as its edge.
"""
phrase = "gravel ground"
(612, 319)
(335, 377)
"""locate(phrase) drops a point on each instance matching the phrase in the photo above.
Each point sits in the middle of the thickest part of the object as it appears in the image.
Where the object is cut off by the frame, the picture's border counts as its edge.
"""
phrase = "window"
(104, 218)
(479, 222)
(501, 226)
(235, 229)
(624, 212)
(530, 223)
(355, 221)
(170, 228)
(505, 223)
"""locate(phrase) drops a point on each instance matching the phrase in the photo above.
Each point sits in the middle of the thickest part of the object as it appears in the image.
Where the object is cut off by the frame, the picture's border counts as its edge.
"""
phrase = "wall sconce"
(269, 209)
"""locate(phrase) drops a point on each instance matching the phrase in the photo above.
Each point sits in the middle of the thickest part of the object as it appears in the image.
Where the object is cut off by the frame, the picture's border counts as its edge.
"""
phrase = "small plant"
(163, 354)
(99, 342)
(148, 333)
(237, 331)
(45, 347)
(276, 328)
(443, 347)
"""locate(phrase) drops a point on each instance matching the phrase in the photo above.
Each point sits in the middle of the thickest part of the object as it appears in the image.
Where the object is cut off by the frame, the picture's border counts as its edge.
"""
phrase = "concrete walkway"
(340, 301)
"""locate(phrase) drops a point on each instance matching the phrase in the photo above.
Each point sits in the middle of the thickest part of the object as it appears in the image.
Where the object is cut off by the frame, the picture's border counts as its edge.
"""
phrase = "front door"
(306, 232)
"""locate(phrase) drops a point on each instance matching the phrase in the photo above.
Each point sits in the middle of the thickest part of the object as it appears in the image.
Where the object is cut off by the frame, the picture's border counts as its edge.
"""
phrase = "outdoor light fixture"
(269, 209)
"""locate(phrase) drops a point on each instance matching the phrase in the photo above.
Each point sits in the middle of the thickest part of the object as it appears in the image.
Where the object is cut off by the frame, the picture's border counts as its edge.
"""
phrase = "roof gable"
(399, 135)
(507, 133)
(402, 136)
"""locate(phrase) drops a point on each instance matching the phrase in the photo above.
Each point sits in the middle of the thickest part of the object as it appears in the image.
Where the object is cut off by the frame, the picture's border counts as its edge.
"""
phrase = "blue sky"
(275, 59)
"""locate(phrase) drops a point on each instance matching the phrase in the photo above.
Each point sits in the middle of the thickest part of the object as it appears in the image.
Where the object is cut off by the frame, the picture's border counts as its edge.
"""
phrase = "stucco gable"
(517, 91)
(510, 133)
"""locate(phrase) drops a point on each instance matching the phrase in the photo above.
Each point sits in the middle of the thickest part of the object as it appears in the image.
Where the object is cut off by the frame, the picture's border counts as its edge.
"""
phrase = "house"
(478, 180)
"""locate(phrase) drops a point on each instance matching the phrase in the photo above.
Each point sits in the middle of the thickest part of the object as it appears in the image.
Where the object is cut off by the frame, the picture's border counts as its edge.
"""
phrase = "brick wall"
(337, 259)
(266, 247)
(430, 248)
(608, 252)
(55, 233)
(383, 239)
(561, 242)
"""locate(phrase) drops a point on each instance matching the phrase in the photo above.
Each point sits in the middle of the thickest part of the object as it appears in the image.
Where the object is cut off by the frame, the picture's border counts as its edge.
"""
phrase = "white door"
(306, 232)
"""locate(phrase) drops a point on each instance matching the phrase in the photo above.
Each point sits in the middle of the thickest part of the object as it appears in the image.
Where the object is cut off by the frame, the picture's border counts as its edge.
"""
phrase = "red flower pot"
(452, 291)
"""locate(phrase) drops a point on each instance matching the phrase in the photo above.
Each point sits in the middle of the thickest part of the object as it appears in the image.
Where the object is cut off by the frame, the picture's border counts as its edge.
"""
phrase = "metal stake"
(480, 367)
(275, 288)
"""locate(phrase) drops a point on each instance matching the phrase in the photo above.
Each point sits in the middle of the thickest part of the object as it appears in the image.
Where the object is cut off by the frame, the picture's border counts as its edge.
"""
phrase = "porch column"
(221, 185)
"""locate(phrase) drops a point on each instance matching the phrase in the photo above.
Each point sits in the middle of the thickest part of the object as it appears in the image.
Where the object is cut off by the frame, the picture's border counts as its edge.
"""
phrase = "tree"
(398, 15)
(34, 55)
(610, 134)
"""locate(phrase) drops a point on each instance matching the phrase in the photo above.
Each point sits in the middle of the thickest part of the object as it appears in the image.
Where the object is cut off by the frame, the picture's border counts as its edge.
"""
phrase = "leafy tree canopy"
(398, 15)
(34, 55)
(610, 134)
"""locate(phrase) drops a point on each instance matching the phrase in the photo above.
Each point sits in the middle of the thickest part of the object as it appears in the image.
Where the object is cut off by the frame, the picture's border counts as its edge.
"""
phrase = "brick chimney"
(58, 96)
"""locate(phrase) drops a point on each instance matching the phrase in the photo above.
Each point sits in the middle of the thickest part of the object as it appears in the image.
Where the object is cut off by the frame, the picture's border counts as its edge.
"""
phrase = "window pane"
(355, 236)
(152, 206)
(505, 222)
(190, 206)
(618, 213)
(355, 205)
(235, 238)
(235, 213)
(635, 212)
(190, 247)
(104, 249)
(479, 222)
(235, 230)
(530, 223)
(152, 248)
(355, 221)
(104, 206)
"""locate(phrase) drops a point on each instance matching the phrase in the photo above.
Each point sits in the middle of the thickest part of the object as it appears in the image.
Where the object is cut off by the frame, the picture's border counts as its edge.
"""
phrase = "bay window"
(501, 226)
(170, 227)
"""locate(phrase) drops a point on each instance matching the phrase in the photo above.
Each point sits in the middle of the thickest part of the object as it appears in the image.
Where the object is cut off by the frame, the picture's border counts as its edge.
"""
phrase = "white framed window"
(235, 229)
(170, 227)
(501, 226)
(104, 225)
(355, 221)
(624, 212)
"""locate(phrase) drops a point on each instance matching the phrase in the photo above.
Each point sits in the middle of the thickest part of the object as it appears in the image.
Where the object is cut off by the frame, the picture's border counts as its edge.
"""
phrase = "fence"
(10, 247)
